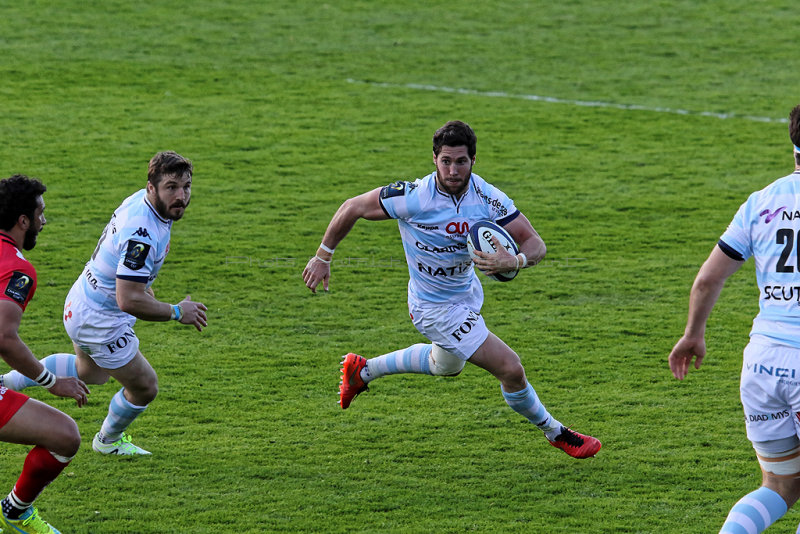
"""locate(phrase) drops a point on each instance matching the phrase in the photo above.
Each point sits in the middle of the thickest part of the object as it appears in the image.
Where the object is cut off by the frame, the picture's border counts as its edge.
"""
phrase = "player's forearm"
(18, 356)
(144, 306)
(534, 249)
(704, 294)
(342, 222)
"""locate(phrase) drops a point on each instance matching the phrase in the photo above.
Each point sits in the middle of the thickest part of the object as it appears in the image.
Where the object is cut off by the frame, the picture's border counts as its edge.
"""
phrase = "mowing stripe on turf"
(554, 100)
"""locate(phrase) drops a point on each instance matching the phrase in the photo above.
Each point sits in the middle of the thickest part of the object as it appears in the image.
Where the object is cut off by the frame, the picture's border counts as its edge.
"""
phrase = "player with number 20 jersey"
(766, 227)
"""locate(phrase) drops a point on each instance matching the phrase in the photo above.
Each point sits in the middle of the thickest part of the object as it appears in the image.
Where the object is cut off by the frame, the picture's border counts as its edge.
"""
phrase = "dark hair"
(167, 163)
(455, 133)
(18, 195)
(794, 130)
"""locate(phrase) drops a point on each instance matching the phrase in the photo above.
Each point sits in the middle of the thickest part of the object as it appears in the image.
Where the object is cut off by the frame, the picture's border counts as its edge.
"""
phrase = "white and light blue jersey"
(767, 227)
(133, 246)
(434, 227)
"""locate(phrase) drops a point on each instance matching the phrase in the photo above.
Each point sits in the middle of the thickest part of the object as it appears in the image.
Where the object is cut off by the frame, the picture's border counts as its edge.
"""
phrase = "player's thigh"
(36, 423)
(458, 329)
(770, 391)
(498, 358)
(88, 370)
(111, 347)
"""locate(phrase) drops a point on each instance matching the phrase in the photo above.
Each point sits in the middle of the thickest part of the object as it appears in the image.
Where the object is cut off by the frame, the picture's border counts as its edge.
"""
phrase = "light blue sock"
(754, 512)
(60, 364)
(526, 403)
(414, 359)
(121, 413)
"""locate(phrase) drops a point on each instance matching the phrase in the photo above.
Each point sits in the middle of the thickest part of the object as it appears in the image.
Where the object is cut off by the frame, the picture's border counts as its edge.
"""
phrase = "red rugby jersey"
(17, 275)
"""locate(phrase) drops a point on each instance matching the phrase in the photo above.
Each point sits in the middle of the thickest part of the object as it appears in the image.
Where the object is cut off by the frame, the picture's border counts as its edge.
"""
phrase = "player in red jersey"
(53, 434)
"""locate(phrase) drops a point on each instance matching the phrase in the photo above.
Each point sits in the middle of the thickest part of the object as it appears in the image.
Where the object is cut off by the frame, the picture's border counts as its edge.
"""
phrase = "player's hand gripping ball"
(480, 238)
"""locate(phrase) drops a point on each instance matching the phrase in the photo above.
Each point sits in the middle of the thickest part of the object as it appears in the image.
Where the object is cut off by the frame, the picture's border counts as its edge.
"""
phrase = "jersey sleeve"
(19, 284)
(400, 200)
(501, 207)
(737, 241)
(136, 255)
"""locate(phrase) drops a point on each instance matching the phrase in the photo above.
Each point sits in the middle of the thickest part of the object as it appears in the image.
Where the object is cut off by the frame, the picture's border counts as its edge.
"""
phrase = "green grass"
(287, 109)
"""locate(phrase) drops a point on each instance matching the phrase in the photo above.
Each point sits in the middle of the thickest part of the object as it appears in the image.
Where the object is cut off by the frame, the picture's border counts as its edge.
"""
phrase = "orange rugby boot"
(352, 383)
(575, 444)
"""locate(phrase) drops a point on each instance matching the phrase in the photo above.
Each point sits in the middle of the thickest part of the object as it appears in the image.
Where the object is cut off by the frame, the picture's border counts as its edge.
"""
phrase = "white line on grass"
(554, 100)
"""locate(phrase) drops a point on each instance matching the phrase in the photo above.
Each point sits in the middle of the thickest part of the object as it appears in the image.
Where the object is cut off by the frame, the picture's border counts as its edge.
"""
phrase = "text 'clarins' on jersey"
(767, 227)
(133, 246)
(434, 227)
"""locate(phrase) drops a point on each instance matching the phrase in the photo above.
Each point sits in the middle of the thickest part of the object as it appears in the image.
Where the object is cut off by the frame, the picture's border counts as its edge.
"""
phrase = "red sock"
(39, 470)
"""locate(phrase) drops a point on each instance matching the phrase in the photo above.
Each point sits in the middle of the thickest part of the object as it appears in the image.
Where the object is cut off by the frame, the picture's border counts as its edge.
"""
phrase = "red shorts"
(10, 403)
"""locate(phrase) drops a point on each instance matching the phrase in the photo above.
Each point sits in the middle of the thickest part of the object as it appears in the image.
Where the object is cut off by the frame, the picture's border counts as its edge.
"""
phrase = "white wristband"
(46, 379)
(326, 249)
(323, 261)
(522, 262)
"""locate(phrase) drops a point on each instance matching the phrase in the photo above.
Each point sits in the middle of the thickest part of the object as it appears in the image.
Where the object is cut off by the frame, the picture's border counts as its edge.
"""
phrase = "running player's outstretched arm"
(135, 299)
(364, 206)
(16, 354)
(705, 292)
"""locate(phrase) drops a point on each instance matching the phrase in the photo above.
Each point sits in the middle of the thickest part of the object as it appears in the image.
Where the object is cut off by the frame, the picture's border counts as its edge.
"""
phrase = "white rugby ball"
(480, 238)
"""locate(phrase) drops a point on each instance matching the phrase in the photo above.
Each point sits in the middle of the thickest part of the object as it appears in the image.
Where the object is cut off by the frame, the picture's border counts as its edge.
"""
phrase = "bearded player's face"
(453, 169)
(37, 223)
(172, 196)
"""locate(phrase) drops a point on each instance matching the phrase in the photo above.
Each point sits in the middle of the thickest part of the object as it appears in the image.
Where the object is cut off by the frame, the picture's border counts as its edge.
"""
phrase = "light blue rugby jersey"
(767, 227)
(133, 247)
(434, 227)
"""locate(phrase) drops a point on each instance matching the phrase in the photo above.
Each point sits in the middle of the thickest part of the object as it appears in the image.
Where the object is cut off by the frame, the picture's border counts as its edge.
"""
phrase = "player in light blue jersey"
(766, 227)
(114, 291)
(445, 297)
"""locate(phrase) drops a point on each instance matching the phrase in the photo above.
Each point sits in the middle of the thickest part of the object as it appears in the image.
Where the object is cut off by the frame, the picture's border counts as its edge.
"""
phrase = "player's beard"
(163, 210)
(448, 188)
(30, 238)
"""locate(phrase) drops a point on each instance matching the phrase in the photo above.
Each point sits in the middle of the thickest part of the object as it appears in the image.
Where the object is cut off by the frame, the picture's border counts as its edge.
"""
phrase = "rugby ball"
(480, 238)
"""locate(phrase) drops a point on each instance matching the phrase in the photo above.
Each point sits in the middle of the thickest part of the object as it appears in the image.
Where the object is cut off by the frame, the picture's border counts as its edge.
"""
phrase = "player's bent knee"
(67, 438)
(149, 396)
(141, 396)
(512, 371)
(98, 380)
(444, 363)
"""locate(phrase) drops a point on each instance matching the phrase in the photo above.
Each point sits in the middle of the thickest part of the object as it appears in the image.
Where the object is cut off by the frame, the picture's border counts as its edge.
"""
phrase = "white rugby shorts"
(457, 328)
(109, 339)
(770, 390)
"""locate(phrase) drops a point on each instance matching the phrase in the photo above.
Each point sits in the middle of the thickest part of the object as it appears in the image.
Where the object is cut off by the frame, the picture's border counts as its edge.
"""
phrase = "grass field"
(628, 133)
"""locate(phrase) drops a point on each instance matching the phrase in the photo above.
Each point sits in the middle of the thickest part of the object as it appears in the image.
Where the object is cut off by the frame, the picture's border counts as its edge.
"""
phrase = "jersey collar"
(8, 239)
(456, 201)
(153, 209)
